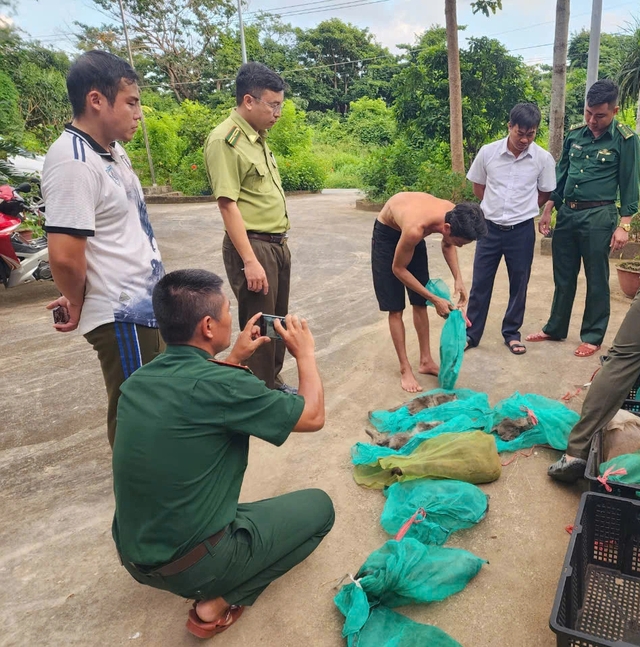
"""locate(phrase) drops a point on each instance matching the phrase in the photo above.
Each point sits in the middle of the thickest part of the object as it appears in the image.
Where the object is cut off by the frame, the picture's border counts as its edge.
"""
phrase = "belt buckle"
(572, 205)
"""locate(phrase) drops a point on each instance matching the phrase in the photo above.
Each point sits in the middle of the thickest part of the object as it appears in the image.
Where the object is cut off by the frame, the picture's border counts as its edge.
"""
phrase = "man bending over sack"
(399, 261)
(607, 393)
(181, 449)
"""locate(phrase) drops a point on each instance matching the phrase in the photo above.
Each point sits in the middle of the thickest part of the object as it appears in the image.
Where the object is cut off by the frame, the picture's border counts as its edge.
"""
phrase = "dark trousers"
(266, 363)
(122, 348)
(611, 385)
(517, 246)
(267, 539)
(582, 235)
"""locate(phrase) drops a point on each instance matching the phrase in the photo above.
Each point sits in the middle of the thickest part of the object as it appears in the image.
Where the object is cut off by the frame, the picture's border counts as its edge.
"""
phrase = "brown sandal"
(586, 350)
(203, 629)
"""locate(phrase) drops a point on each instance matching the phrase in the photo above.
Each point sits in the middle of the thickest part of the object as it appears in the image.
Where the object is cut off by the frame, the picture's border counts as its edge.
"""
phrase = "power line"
(344, 5)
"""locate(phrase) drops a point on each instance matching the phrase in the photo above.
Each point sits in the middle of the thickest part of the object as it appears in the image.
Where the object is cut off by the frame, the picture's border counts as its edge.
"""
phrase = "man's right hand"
(74, 314)
(297, 337)
(256, 277)
(544, 225)
(443, 307)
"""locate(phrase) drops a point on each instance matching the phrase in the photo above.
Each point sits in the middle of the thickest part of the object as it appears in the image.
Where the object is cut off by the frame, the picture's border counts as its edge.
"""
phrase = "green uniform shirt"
(241, 167)
(591, 169)
(181, 450)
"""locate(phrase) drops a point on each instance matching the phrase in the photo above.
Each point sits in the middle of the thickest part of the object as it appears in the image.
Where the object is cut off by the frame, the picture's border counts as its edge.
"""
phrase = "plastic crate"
(592, 471)
(632, 403)
(597, 603)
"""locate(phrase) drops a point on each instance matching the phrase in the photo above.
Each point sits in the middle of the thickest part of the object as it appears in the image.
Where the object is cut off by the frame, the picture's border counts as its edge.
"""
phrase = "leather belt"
(508, 227)
(279, 239)
(184, 562)
(588, 205)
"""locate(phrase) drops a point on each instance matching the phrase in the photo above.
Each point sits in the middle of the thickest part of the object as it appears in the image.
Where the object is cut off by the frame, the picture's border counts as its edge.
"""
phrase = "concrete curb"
(186, 199)
(366, 205)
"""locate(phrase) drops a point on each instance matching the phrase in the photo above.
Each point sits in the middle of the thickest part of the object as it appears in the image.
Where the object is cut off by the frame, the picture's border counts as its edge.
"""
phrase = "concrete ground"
(60, 579)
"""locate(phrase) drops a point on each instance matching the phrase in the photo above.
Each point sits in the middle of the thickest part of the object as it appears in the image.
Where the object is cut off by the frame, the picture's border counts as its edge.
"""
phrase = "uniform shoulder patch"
(625, 131)
(577, 126)
(229, 365)
(232, 136)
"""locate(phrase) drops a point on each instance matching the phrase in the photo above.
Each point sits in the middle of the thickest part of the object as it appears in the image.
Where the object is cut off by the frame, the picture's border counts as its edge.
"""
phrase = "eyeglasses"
(275, 107)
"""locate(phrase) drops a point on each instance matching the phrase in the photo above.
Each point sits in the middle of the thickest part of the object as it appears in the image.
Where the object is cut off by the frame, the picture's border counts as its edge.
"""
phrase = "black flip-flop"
(517, 349)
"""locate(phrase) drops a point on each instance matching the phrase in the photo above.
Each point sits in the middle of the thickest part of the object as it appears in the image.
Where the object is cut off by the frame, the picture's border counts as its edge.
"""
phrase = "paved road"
(60, 580)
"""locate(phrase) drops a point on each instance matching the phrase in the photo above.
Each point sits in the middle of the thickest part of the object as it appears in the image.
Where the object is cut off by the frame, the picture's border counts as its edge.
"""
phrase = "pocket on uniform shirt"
(258, 178)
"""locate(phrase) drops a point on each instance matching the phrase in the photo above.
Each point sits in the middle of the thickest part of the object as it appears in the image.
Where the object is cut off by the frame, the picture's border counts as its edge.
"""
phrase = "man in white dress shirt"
(513, 177)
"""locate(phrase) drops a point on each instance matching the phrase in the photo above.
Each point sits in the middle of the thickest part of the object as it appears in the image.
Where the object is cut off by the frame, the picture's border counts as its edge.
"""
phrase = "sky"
(525, 27)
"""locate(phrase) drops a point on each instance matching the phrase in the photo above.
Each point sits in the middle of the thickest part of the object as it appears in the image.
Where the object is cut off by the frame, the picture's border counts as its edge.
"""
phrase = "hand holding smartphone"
(266, 326)
(60, 315)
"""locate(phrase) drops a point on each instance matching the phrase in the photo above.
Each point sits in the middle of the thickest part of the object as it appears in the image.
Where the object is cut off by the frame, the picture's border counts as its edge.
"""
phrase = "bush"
(444, 184)
(301, 172)
(371, 122)
(11, 121)
(191, 175)
(291, 133)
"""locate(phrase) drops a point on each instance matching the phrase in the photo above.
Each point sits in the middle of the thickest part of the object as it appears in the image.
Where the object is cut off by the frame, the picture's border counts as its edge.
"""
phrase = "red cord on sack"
(419, 516)
(610, 472)
(524, 454)
(568, 395)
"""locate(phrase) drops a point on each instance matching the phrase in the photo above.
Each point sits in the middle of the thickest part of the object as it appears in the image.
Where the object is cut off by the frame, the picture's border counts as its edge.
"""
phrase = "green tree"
(492, 82)
(371, 122)
(629, 73)
(11, 121)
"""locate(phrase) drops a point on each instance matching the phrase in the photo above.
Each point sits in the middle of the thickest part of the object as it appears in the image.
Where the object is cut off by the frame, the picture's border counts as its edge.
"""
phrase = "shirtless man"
(399, 261)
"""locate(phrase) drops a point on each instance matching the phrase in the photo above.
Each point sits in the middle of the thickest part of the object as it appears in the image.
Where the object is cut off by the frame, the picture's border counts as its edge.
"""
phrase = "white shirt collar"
(528, 151)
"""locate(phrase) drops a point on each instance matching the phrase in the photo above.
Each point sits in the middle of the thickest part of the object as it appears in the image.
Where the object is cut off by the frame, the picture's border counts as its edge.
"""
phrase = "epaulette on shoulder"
(229, 365)
(232, 136)
(577, 126)
(625, 131)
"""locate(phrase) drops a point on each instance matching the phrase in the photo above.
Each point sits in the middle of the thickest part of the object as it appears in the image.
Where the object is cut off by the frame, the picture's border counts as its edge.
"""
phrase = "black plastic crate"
(592, 471)
(632, 403)
(598, 599)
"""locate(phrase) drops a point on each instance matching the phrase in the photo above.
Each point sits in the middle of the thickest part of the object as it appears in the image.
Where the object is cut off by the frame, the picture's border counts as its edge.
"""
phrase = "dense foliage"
(355, 115)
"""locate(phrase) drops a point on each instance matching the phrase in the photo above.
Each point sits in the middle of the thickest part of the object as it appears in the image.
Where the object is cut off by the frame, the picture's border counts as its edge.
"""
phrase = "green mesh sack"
(469, 456)
(469, 403)
(445, 506)
(386, 628)
(453, 338)
(612, 470)
(368, 453)
(554, 421)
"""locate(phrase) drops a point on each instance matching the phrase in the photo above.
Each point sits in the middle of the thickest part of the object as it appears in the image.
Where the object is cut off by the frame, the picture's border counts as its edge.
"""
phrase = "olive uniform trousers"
(267, 539)
(611, 385)
(266, 363)
(582, 235)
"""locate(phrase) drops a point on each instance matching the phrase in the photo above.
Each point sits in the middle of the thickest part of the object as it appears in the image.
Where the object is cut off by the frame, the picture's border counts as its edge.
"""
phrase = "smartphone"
(266, 326)
(60, 315)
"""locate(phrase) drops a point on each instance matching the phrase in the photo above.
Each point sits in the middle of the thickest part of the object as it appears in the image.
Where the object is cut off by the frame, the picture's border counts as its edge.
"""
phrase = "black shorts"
(388, 287)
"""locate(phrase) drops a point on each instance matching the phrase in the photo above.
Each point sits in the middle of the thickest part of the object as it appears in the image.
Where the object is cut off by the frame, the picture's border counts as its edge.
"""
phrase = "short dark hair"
(527, 115)
(604, 91)
(182, 298)
(467, 221)
(254, 79)
(97, 70)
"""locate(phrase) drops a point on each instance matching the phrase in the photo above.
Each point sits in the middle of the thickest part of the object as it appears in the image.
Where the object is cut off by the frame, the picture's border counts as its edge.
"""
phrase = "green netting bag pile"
(453, 338)
(467, 402)
(629, 463)
(399, 573)
(554, 421)
(448, 506)
(469, 456)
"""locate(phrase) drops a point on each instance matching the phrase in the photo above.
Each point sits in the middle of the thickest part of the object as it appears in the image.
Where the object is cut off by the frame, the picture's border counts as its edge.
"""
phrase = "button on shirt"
(512, 183)
(241, 167)
(591, 169)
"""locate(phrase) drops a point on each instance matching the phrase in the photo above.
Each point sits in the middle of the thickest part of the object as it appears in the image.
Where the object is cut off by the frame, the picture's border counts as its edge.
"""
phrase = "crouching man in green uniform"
(181, 449)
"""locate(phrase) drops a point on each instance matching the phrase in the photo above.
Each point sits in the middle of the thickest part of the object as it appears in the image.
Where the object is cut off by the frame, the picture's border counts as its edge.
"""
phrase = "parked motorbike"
(21, 260)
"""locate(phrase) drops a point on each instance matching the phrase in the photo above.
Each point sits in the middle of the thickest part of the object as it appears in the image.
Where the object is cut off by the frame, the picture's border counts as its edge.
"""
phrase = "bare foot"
(408, 381)
(429, 368)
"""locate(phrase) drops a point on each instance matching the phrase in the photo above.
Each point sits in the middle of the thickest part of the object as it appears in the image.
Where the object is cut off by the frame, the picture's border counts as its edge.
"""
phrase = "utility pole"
(144, 126)
(594, 44)
(242, 43)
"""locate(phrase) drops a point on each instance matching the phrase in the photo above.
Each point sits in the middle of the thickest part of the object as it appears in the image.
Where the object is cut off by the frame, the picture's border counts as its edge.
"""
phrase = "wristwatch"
(626, 226)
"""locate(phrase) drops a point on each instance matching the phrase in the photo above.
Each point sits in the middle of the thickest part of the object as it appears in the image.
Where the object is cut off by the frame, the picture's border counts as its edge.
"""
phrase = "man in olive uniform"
(598, 160)
(181, 449)
(246, 183)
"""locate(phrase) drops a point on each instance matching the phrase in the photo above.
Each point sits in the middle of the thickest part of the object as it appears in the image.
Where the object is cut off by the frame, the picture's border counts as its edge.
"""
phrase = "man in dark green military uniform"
(181, 449)
(599, 160)
(245, 181)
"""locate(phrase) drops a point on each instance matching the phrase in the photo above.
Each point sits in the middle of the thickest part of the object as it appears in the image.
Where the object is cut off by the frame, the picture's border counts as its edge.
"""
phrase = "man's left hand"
(249, 340)
(460, 290)
(619, 239)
